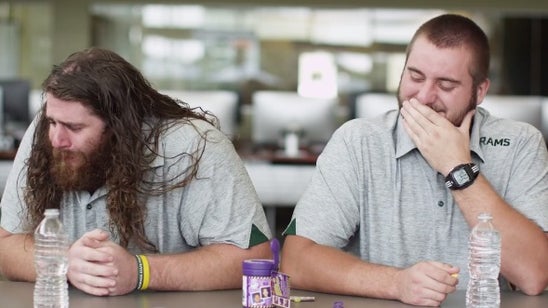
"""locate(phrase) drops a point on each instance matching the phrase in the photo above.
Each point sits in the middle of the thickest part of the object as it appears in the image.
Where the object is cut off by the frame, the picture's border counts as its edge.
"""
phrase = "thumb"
(94, 238)
(99, 234)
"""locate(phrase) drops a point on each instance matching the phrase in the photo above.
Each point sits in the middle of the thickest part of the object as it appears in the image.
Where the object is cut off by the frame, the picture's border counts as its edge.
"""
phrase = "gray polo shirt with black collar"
(374, 194)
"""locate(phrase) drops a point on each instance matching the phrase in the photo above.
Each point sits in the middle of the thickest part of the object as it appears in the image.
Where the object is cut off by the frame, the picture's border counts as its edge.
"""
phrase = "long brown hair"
(119, 94)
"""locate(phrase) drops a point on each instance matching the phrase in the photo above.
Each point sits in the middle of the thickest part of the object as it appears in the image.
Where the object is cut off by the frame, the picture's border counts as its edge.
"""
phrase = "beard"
(78, 171)
(472, 104)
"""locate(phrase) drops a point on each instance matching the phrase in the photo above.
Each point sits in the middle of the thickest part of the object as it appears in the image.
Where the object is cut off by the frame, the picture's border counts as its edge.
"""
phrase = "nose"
(59, 137)
(427, 93)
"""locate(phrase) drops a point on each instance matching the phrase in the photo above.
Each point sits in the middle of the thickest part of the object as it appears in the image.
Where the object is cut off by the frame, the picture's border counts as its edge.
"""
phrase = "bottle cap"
(257, 267)
(51, 212)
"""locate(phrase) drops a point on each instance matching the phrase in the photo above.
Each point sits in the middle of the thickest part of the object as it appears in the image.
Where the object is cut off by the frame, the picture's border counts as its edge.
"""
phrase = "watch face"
(461, 176)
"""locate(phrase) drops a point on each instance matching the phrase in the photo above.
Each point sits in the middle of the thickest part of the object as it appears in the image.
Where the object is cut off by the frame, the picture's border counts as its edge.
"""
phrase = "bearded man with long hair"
(133, 172)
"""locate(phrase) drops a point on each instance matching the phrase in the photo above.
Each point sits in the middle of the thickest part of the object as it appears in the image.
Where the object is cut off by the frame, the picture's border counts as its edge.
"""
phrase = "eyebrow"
(64, 123)
(451, 80)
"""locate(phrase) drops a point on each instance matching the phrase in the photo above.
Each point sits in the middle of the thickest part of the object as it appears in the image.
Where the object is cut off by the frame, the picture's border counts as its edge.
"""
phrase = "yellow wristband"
(146, 272)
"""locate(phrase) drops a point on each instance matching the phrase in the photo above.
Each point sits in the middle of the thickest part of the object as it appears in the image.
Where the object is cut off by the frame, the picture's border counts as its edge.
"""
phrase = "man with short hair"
(387, 215)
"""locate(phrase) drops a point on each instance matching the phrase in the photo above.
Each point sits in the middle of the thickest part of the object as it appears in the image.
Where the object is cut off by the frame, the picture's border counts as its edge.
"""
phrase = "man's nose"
(59, 137)
(427, 93)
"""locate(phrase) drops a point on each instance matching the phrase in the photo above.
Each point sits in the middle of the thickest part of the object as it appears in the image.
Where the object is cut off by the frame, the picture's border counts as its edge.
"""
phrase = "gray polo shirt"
(220, 206)
(373, 194)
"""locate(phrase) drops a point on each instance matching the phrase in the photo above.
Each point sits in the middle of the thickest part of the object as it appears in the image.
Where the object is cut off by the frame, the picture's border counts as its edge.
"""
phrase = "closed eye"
(448, 85)
(415, 75)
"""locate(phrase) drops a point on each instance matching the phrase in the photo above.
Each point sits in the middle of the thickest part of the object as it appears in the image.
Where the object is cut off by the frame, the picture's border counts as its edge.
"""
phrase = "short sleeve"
(12, 204)
(328, 211)
(221, 205)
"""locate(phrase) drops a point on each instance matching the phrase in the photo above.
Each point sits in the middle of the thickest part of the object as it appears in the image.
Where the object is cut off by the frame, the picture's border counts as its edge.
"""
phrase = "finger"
(448, 268)
(429, 117)
(420, 113)
(442, 274)
(422, 293)
(91, 255)
(92, 290)
(422, 120)
(467, 122)
(441, 265)
(429, 297)
(91, 242)
(428, 301)
(97, 269)
(95, 275)
(410, 113)
(82, 283)
(95, 238)
(413, 128)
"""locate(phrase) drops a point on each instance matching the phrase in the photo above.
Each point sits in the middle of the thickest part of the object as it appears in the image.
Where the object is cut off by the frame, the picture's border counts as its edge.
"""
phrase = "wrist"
(462, 176)
(394, 289)
(143, 272)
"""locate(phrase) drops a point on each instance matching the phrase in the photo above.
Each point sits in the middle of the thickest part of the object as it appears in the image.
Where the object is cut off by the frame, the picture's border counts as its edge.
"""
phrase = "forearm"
(524, 244)
(16, 256)
(211, 267)
(325, 269)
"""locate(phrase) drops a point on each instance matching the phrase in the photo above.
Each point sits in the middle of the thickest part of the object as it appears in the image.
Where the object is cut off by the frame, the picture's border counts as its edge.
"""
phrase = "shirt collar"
(404, 143)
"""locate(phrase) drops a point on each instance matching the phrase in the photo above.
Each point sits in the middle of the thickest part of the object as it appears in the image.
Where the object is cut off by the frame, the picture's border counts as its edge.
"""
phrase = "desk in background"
(278, 185)
(19, 295)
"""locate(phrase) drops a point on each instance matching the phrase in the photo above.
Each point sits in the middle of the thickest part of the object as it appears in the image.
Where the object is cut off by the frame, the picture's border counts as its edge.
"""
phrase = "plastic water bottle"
(484, 265)
(51, 262)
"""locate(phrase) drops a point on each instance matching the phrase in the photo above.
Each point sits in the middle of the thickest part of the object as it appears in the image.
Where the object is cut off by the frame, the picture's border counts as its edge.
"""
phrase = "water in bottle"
(484, 265)
(51, 262)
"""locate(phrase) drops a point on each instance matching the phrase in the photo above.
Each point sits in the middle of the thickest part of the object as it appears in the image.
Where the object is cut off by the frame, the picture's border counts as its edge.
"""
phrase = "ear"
(482, 90)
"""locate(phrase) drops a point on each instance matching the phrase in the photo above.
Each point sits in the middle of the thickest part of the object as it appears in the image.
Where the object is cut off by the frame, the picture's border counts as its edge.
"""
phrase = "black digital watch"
(462, 176)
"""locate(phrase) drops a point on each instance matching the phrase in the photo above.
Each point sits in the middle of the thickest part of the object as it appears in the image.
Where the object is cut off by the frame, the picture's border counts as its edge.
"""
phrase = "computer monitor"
(370, 105)
(15, 112)
(276, 112)
(223, 104)
(520, 108)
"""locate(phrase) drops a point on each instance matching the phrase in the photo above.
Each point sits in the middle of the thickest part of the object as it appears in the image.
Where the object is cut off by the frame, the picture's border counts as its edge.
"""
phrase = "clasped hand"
(101, 267)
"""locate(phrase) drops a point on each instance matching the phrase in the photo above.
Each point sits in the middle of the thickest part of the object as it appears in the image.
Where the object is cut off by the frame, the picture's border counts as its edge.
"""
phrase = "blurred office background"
(345, 47)
(310, 53)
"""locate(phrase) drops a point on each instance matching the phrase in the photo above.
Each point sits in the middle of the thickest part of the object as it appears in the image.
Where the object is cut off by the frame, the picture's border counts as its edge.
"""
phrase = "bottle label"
(256, 292)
